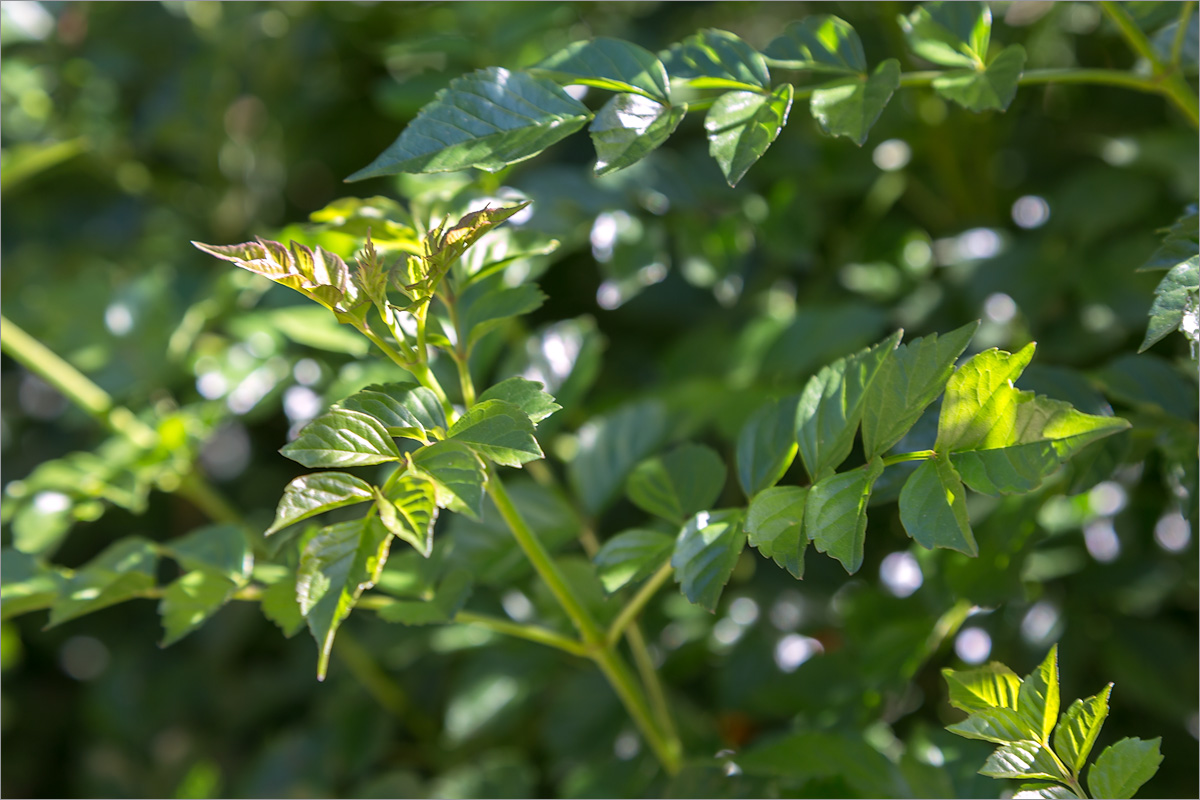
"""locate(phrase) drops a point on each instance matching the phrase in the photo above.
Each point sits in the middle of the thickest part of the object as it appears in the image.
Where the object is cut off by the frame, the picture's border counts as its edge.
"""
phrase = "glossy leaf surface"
(678, 484)
(631, 556)
(498, 431)
(458, 475)
(314, 494)
(409, 511)
(850, 106)
(766, 445)
(404, 409)
(451, 595)
(124, 570)
(527, 395)
(1123, 767)
(821, 43)
(952, 34)
(630, 126)
(714, 59)
(612, 64)
(705, 554)
(991, 88)
(1176, 304)
(342, 438)
(933, 507)
(835, 514)
(741, 126)
(775, 525)
(1078, 728)
(190, 600)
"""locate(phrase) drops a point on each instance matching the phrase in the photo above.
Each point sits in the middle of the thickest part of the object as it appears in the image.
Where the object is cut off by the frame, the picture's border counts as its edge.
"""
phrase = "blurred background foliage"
(130, 129)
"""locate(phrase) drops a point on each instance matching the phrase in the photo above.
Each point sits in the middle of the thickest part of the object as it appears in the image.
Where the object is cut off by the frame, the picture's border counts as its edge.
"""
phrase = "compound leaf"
(835, 514)
(990, 686)
(821, 43)
(741, 126)
(314, 494)
(1026, 759)
(458, 475)
(1176, 304)
(1123, 767)
(999, 725)
(677, 485)
(631, 556)
(404, 409)
(713, 59)
(1037, 701)
(487, 119)
(628, 127)
(766, 445)
(775, 525)
(1078, 728)
(850, 106)
(122, 571)
(933, 508)
(499, 431)
(705, 554)
(613, 64)
(409, 510)
(342, 438)
(951, 34)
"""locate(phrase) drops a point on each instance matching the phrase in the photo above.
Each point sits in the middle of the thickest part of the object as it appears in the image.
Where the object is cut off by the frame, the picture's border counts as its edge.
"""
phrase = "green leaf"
(124, 570)
(741, 126)
(999, 725)
(907, 383)
(610, 447)
(1023, 760)
(27, 583)
(631, 556)
(849, 761)
(448, 600)
(1002, 439)
(487, 302)
(821, 43)
(933, 508)
(526, 395)
(835, 514)
(342, 438)
(457, 473)
(713, 59)
(1044, 791)
(831, 406)
(498, 431)
(850, 106)
(982, 89)
(1176, 305)
(1179, 244)
(677, 485)
(628, 127)
(991, 686)
(1037, 701)
(221, 549)
(951, 34)
(1078, 728)
(1148, 381)
(775, 525)
(279, 605)
(404, 409)
(705, 554)
(766, 445)
(190, 600)
(336, 567)
(317, 274)
(1123, 767)
(487, 119)
(613, 64)
(410, 510)
(314, 494)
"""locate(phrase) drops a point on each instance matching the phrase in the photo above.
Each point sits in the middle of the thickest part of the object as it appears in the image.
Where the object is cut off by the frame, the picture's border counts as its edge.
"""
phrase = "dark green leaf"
(951, 34)
(705, 554)
(498, 431)
(713, 59)
(1150, 382)
(451, 596)
(404, 409)
(1038, 702)
(409, 511)
(280, 606)
(850, 106)
(1180, 243)
(610, 447)
(190, 600)
(628, 127)
(933, 508)
(907, 383)
(1078, 728)
(336, 567)
(815, 755)
(487, 119)
(1023, 760)
(990, 686)
(342, 438)
(821, 43)
(1176, 305)
(775, 525)
(832, 404)
(999, 725)
(984, 89)
(835, 514)
(458, 475)
(27, 583)
(677, 485)
(613, 64)
(766, 445)
(314, 494)
(631, 556)
(124, 570)
(742, 125)
(526, 395)
(487, 302)
(1123, 767)
(221, 549)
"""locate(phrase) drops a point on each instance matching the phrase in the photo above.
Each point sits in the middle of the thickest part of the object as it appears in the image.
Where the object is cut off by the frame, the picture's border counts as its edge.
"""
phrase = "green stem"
(464, 379)
(916, 455)
(533, 633)
(1131, 33)
(622, 680)
(1185, 16)
(634, 607)
(1167, 81)
(204, 496)
(654, 688)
